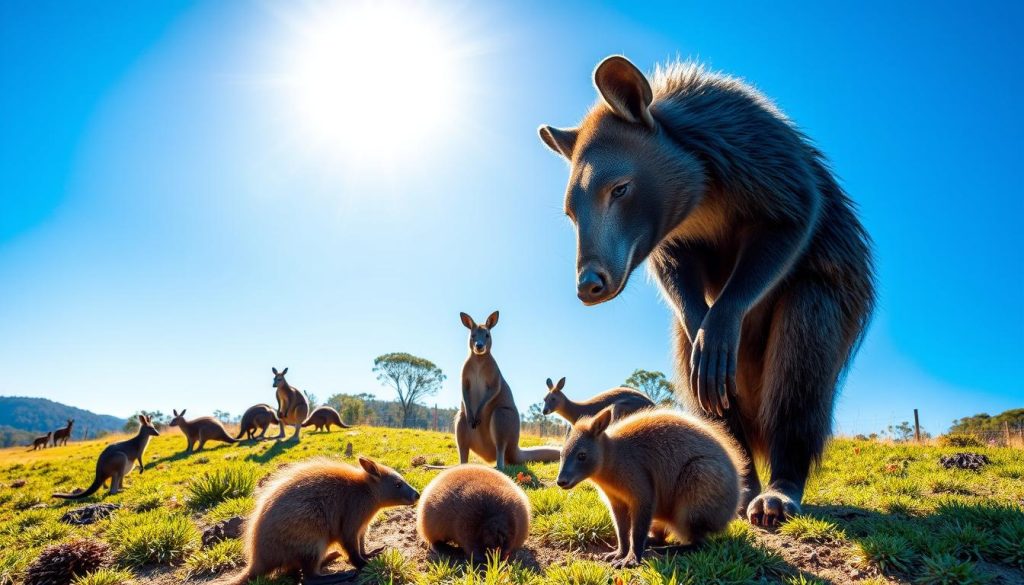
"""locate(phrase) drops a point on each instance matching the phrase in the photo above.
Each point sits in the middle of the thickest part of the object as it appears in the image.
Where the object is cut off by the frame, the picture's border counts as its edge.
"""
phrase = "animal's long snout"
(592, 284)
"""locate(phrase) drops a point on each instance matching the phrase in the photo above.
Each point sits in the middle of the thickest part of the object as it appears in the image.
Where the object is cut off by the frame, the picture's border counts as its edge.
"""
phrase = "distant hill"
(22, 417)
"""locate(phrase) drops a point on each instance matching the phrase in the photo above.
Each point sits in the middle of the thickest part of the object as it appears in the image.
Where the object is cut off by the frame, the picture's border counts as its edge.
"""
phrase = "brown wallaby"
(61, 436)
(488, 422)
(476, 507)
(292, 406)
(757, 248)
(42, 441)
(309, 509)
(623, 401)
(659, 467)
(323, 417)
(117, 460)
(200, 430)
(259, 417)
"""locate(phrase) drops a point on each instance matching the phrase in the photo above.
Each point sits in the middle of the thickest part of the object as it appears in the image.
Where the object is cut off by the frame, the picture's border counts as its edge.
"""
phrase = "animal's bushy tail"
(538, 455)
(96, 484)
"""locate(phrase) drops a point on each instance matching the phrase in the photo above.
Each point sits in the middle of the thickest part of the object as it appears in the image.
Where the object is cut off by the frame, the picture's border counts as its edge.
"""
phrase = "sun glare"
(373, 82)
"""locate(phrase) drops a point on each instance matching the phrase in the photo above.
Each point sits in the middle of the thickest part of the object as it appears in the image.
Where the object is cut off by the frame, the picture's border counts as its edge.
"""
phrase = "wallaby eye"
(581, 456)
(398, 485)
(620, 190)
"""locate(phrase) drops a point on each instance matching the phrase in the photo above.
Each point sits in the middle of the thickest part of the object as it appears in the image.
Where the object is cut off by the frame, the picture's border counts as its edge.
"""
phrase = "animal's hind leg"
(806, 349)
(462, 437)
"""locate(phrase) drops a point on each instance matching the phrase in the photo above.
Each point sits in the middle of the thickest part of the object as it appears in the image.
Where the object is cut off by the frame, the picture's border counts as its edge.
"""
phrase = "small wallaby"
(476, 507)
(292, 406)
(323, 417)
(488, 421)
(42, 441)
(200, 430)
(61, 436)
(309, 509)
(117, 460)
(259, 417)
(656, 468)
(622, 400)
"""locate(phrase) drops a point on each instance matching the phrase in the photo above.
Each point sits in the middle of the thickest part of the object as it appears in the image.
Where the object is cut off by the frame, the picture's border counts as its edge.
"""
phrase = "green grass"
(891, 508)
(107, 577)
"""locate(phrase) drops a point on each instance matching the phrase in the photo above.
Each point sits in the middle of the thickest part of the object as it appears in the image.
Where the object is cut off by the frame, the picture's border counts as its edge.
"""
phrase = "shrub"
(959, 440)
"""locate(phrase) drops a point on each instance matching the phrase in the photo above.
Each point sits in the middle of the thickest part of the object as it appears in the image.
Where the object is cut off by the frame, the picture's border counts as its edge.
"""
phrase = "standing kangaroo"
(200, 430)
(118, 460)
(756, 247)
(488, 421)
(623, 401)
(259, 416)
(292, 406)
(323, 417)
(62, 435)
(42, 441)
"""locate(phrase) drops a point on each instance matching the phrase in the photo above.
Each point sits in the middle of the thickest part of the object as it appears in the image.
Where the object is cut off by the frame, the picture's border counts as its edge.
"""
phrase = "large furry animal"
(659, 468)
(488, 421)
(292, 406)
(41, 441)
(756, 247)
(258, 416)
(310, 509)
(323, 417)
(476, 507)
(623, 401)
(61, 436)
(200, 430)
(118, 460)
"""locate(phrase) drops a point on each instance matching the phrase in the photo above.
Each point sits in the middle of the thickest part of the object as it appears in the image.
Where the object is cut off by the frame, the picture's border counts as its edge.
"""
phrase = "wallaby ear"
(274, 370)
(625, 89)
(467, 321)
(492, 320)
(551, 385)
(562, 141)
(284, 371)
(560, 384)
(172, 410)
(183, 411)
(370, 466)
(599, 424)
(142, 419)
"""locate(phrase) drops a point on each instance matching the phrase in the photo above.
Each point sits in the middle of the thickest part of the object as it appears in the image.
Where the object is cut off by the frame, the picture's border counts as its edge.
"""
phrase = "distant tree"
(900, 433)
(546, 425)
(983, 422)
(312, 399)
(222, 415)
(413, 378)
(652, 383)
(159, 419)
(352, 408)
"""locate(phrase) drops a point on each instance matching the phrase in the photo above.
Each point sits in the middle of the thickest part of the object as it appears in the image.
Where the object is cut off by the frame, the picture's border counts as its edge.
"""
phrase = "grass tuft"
(388, 568)
(154, 537)
(888, 553)
(223, 483)
(106, 577)
(946, 570)
(223, 556)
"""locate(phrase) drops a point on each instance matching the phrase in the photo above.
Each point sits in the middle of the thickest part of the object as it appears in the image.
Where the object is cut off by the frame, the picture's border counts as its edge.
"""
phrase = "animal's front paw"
(772, 508)
(612, 556)
(713, 361)
(630, 560)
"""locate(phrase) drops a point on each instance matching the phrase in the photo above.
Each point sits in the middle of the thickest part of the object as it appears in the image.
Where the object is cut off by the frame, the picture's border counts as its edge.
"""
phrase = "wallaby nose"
(562, 483)
(592, 284)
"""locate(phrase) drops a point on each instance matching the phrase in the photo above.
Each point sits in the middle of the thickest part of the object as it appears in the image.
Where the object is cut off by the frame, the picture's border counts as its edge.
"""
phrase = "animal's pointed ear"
(551, 385)
(599, 424)
(274, 370)
(492, 320)
(560, 384)
(370, 466)
(562, 141)
(625, 89)
(183, 411)
(142, 419)
(284, 371)
(172, 410)
(467, 321)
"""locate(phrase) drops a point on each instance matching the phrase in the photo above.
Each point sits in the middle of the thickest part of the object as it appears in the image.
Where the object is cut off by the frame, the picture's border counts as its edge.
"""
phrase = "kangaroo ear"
(172, 410)
(600, 423)
(492, 320)
(467, 321)
(142, 419)
(370, 466)
(551, 385)
(560, 384)
(183, 411)
(274, 370)
(625, 89)
(284, 371)
(562, 141)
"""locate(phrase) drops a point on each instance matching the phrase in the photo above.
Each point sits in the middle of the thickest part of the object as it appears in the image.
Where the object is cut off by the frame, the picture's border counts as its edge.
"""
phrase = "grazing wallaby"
(117, 460)
(309, 509)
(488, 421)
(623, 401)
(323, 417)
(757, 248)
(200, 430)
(41, 442)
(62, 435)
(292, 406)
(657, 467)
(259, 417)
(476, 507)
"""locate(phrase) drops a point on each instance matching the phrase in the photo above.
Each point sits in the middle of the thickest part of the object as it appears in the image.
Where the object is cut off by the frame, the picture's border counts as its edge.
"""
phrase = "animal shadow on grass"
(276, 449)
(186, 455)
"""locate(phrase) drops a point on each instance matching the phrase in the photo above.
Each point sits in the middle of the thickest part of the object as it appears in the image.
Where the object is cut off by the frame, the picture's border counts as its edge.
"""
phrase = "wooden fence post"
(917, 428)
(1006, 430)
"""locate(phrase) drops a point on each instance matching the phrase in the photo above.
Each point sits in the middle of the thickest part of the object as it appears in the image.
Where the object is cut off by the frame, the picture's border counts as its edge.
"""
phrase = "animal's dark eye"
(620, 190)
(398, 484)
(581, 456)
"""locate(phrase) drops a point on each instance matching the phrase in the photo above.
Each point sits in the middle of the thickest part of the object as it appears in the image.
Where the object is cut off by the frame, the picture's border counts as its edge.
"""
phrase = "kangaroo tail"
(538, 455)
(337, 421)
(96, 484)
(229, 439)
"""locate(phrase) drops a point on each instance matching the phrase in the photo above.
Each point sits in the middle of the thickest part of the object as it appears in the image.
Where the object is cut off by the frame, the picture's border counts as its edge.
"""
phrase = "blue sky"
(169, 230)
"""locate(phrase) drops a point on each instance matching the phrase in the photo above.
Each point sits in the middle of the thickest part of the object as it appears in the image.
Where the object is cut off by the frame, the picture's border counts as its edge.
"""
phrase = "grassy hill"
(876, 513)
(36, 416)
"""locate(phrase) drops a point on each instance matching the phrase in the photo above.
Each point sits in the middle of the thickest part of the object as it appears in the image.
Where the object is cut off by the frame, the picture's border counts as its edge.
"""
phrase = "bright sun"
(373, 82)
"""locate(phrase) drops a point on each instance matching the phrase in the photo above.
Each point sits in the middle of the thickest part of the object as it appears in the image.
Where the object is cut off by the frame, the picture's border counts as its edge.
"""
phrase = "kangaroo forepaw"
(772, 508)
